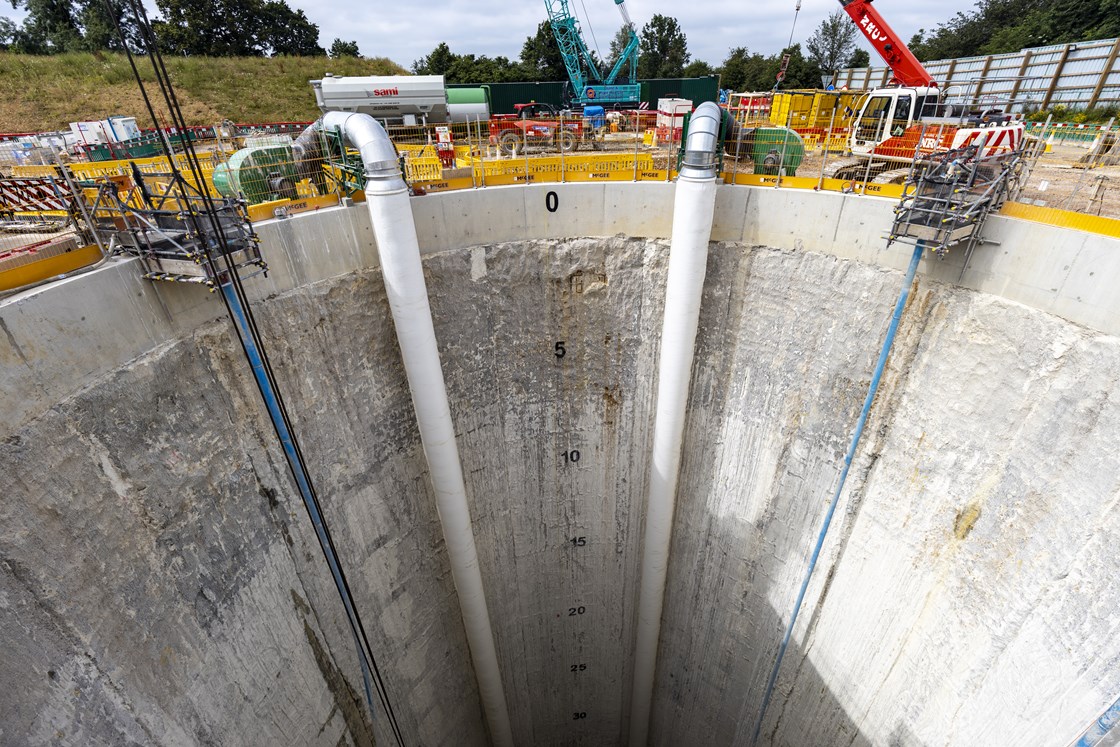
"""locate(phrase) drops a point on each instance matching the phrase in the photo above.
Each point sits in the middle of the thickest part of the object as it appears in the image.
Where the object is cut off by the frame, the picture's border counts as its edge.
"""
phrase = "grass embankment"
(40, 94)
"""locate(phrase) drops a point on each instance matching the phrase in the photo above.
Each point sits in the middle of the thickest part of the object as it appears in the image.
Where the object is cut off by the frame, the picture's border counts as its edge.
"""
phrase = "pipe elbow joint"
(701, 147)
(379, 155)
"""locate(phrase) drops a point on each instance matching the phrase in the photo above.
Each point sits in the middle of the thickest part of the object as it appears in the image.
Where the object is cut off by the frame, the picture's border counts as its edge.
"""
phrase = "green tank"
(770, 148)
(259, 174)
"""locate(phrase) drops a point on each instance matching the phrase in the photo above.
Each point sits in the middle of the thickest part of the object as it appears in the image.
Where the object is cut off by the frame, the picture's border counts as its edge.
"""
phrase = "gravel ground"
(1054, 181)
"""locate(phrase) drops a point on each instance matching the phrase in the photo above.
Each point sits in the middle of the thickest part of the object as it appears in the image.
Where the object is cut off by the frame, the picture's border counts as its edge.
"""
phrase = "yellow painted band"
(1062, 218)
(48, 267)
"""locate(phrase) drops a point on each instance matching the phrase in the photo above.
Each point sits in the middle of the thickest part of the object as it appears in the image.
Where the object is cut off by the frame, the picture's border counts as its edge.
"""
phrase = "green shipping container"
(503, 96)
(696, 90)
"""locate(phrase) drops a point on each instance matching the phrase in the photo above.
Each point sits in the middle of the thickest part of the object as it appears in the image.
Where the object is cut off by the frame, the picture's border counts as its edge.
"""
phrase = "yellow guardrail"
(426, 174)
(622, 164)
(820, 185)
(94, 169)
(813, 108)
(50, 263)
(1063, 218)
(30, 172)
(835, 143)
(267, 210)
(423, 168)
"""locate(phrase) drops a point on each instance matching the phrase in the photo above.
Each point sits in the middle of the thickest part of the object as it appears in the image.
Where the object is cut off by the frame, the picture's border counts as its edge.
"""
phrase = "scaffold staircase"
(165, 221)
(948, 197)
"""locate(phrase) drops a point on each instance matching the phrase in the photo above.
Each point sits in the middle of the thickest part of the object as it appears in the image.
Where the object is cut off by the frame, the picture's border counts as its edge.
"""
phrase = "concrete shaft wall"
(159, 581)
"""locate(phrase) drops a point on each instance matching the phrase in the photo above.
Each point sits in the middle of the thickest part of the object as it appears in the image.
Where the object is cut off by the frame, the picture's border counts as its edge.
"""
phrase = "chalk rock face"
(160, 582)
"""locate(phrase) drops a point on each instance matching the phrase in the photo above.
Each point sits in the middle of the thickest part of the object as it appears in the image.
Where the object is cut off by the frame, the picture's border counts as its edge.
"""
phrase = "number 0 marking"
(551, 202)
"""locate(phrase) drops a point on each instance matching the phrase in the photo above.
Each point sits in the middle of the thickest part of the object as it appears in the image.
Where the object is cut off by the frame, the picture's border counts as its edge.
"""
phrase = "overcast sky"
(405, 30)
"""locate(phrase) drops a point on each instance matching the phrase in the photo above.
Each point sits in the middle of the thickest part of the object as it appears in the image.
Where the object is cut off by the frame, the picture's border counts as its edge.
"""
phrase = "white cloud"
(406, 31)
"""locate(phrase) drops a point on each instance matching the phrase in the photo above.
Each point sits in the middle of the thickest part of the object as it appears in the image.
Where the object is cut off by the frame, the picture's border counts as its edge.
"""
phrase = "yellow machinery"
(799, 109)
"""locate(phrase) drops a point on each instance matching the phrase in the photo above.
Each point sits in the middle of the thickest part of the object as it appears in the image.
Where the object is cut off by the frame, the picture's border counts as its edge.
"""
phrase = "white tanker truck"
(402, 99)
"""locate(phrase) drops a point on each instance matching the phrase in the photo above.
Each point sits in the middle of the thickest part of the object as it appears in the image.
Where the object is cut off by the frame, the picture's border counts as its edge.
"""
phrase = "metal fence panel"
(1077, 74)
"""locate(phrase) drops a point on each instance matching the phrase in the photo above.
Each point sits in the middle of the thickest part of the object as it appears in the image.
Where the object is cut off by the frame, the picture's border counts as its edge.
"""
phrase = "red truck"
(536, 124)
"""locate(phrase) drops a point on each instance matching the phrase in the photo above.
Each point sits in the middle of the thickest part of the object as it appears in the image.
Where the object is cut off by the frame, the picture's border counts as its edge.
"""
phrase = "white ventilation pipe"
(693, 209)
(399, 252)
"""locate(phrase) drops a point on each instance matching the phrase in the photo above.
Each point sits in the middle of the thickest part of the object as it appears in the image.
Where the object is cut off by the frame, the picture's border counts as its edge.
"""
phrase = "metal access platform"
(949, 196)
(165, 221)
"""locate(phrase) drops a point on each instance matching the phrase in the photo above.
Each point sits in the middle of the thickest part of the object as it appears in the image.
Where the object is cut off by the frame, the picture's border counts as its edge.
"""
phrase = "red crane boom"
(905, 66)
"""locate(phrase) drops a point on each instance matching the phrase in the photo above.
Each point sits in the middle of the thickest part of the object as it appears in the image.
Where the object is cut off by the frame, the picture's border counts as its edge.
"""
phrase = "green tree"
(287, 31)
(235, 28)
(833, 42)
(733, 71)
(99, 27)
(859, 58)
(467, 68)
(698, 69)
(618, 45)
(664, 49)
(341, 48)
(50, 27)
(8, 31)
(800, 72)
(436, 62)
(215, 28)
(540, 55)
(742, 71)
(1009, 25)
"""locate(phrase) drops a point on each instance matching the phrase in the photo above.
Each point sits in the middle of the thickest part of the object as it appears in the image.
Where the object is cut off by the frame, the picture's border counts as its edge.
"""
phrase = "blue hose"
(269, 396)
(863, 415)
(1099, 729)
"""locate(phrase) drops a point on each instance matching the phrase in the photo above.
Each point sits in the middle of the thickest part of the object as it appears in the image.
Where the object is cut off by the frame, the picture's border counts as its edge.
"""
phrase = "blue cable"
(1099, 729)
(863, 415)
(285, 435)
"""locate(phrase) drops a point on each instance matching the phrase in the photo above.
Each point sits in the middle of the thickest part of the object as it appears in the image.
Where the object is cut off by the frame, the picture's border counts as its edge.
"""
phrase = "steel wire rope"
(594, 41)
(266, 362)
(796, 11)
(175, 112)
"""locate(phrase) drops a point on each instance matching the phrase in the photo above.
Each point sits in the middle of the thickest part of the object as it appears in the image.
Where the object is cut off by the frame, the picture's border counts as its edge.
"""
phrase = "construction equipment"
(161, 218)
(258, 174)
(909, 117)
(512, 133)
(588, 84)
(393, 99)
(773, 151)
(949, 196)
(401, 99)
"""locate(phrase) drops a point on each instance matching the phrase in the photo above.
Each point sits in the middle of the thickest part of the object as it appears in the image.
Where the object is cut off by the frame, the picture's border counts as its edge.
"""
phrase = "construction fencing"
(1072, 173)
(42, 228)
(1077, 75)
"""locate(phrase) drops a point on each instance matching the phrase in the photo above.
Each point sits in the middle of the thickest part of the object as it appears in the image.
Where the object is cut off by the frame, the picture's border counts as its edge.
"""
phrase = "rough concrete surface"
(160, 583)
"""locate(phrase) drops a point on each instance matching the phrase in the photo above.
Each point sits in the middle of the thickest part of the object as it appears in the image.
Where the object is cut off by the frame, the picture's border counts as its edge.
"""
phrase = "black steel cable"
(175, 112)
